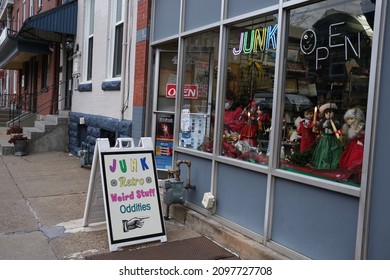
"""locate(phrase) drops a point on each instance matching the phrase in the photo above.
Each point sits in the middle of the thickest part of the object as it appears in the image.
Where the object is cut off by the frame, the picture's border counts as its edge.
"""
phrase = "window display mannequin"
(305, 129)
(353, 130)
(263, 120)
(232, 116)
(328, 151)
(249, 130)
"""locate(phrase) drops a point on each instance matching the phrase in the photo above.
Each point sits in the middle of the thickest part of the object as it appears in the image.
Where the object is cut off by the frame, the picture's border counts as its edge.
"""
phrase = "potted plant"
(19, 140)
(15, 129)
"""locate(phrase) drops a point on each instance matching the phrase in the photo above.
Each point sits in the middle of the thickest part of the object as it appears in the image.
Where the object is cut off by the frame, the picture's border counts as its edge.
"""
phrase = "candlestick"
(335, 129)
(314, 129)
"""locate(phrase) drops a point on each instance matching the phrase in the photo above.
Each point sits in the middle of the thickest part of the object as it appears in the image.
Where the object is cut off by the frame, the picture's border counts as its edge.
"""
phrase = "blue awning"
(51, 25)
(36, 34)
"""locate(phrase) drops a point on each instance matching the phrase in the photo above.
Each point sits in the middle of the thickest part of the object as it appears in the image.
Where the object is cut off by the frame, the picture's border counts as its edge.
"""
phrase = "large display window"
(326, 77)
(328, 64)
(250, 78)
(199, 85)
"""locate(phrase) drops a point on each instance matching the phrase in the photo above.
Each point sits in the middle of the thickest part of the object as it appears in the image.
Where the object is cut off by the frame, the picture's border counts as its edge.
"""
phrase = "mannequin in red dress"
(233, 114)
(305, 129)
(249, 129)
(353, 131)
(263, 120)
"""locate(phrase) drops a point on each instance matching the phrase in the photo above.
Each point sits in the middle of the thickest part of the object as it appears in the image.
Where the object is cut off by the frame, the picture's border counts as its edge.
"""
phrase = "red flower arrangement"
(16, 133)
(14, 130)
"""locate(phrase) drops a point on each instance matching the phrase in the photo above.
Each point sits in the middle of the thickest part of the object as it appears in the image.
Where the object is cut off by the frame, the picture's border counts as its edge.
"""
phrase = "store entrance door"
(164, 107)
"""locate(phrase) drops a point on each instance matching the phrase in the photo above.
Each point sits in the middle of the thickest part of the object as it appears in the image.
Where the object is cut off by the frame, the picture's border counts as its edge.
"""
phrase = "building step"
(46, 135)
(6, 148)
(57, 119)
(45, 126)
(32, 133)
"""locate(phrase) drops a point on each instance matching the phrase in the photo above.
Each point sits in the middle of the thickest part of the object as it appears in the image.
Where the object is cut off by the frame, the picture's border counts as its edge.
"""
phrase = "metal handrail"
(23, 103)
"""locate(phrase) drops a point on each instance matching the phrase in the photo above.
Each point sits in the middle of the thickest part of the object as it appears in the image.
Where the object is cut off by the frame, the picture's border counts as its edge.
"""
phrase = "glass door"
(164, 107)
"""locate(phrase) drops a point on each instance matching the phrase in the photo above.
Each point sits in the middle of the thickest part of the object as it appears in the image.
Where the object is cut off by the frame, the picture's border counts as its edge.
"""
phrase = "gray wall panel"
(317, 223)
(201, 12)
(237, 7)
(200, 176)
(241, 197)
(167, 18)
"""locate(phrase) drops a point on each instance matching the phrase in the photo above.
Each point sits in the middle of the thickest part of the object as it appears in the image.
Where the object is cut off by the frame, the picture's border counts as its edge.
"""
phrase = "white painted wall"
(99, 102)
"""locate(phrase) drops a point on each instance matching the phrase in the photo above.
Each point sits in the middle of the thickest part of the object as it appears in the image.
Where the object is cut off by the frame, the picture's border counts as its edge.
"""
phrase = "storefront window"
(249, 90)
(326, 89)
(199, 83)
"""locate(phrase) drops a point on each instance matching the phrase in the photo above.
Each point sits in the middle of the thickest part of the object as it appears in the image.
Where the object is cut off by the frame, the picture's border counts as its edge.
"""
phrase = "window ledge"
(85, 87)
(111, 85)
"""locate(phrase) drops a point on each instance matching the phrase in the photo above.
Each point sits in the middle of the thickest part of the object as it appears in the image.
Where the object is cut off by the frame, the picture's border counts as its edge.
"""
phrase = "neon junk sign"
(259, 39)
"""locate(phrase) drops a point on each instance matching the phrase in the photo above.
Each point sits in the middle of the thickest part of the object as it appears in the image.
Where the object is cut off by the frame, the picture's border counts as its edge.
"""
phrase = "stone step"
(6, 148)
(57, 119)
(4, 116)
(44, 125)
(32, 132)
(38, 134)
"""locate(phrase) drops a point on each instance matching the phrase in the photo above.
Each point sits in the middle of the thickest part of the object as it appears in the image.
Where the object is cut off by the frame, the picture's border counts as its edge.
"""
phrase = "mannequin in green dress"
(327, 154)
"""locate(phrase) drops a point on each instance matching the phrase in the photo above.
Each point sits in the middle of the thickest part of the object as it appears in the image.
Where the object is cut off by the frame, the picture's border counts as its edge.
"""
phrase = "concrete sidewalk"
(42, 201)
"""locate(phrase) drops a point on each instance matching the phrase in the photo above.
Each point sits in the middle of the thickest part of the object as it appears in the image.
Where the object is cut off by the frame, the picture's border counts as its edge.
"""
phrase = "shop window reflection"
(328, 62)
(250, 80)
(196, 116)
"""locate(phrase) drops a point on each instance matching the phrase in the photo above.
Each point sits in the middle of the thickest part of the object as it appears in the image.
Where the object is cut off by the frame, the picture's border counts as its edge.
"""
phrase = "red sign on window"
(190, 91)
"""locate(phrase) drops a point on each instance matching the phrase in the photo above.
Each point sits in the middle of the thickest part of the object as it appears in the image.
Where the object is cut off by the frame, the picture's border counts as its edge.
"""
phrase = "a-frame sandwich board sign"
(130, 192)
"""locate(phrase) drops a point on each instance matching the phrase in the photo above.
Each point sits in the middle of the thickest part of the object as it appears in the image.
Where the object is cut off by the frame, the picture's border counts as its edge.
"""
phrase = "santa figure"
(353, 131)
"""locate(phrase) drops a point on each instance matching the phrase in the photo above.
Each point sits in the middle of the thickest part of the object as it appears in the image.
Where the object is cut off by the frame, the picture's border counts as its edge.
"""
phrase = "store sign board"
(190, 91)
(130, 189)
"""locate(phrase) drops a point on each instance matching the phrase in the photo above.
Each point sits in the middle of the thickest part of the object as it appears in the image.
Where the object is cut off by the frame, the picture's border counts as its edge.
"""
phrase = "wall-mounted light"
(70, 45)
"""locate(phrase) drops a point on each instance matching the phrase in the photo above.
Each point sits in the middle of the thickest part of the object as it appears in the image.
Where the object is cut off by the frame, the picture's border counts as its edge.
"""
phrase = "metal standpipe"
(174, 188)
(84, 155)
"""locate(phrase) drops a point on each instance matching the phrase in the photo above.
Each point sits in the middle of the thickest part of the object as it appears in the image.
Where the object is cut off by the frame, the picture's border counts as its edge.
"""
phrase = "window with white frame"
(88, 43)
(117, 31)
(17, 27)
(24, 10)
(15, 75)
(39, 3)
(45, 70)
(31, 8)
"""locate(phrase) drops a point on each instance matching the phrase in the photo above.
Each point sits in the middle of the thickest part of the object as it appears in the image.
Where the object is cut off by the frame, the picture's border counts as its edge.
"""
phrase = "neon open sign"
(309, 43)
(259, 39)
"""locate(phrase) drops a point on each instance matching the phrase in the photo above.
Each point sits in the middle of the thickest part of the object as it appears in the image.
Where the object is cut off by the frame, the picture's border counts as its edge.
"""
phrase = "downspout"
(125, 50)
